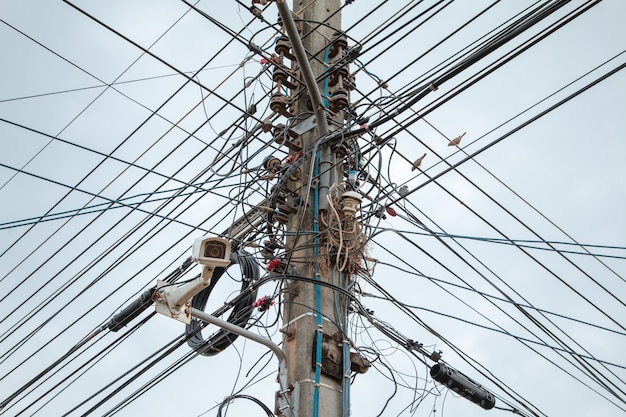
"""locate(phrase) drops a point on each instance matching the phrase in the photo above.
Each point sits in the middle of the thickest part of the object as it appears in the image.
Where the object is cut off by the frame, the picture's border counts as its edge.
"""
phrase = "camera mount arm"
(174, 301)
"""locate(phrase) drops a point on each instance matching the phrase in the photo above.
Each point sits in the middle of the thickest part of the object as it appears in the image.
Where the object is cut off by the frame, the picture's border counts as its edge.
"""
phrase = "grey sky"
(68, 77)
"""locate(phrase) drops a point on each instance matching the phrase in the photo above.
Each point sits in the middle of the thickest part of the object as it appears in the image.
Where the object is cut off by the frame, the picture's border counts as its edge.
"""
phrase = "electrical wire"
(236, 146)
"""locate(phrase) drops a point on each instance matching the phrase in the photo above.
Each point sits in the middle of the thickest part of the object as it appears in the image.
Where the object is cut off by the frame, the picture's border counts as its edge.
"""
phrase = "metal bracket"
(284, 403)
(290, 409)
(305, 125)
(165, 304)
(332, 355)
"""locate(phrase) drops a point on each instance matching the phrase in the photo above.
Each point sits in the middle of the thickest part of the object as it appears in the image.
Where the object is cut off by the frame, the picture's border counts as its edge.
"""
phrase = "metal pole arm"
(282, 359)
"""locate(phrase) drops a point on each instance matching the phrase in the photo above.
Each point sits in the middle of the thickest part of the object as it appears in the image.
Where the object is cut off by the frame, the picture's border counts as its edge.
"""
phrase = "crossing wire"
(383, 110)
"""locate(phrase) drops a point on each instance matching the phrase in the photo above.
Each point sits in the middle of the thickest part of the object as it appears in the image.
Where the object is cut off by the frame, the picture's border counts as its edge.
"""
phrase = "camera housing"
(174, 301)
(211, 252)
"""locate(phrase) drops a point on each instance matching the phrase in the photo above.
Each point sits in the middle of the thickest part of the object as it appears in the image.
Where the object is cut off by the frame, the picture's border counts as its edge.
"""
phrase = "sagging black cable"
(186, 358)
(411, 346)
(404, 307)
(116, 323)
(155, 112)
(578, 358)
(219, 24)
(143, 302)
(568, 286)
(496, 42)
(420, 114)
(240, 314)
(95, 359)
(127, 215)
(429, 50)
(182, 361)
(54, 364)
(165, 351)
(246, 397)
(179, 363)
(156, 57)
(487, 48)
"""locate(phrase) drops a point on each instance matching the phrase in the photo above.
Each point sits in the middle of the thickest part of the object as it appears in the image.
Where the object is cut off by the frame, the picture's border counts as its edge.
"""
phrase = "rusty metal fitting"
(271, 162)
(339, 42)
(279, 103)
(339, 100)
(283, 48)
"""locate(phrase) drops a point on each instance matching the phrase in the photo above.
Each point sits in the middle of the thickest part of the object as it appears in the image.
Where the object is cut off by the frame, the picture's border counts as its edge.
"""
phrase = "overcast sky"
(72, 92)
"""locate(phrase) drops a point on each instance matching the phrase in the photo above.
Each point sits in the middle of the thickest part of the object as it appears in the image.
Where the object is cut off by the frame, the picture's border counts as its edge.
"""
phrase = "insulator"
(281, 218)
(280, 76)
(350, 201)
(339, 74)
(266, 126)
(286, 208)
(279, 103)
(339, 100)
(339, 43)
(283, 47)
(271, 162)
(281, 194)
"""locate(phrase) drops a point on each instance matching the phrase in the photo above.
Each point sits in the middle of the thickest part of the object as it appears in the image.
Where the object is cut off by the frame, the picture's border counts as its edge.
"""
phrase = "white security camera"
(211, 252)
(175, 302)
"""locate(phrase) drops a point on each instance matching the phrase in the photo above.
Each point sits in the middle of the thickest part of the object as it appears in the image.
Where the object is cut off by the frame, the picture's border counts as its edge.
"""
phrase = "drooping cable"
(240, 314)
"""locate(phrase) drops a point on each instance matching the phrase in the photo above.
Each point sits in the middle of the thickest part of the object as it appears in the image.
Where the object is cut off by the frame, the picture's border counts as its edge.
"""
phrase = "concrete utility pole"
(312, 342)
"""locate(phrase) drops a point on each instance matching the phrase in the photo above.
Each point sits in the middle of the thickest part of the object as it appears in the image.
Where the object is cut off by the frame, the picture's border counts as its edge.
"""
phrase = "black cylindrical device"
(462, 385)
(131, 311)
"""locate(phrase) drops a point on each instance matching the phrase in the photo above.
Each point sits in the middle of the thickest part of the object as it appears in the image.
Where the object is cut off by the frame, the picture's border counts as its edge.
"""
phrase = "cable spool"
(240, 314)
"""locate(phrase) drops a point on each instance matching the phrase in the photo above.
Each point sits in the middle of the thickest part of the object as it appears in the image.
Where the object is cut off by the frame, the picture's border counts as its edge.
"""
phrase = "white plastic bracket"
(175, 302)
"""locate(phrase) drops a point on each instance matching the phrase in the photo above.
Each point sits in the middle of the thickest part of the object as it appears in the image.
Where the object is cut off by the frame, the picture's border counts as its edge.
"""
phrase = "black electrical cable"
(153, 113)
(245, 397)
(579, 345)
(422, 92)
(96, 152)
(464, 85)
(115, 324)
(402, 307)
(156, 57)
(494, 44)
(30, 316)
(95, 359)
(583, 363)
(238, 300)
(81, 181)
(240, 314)
(544, 267)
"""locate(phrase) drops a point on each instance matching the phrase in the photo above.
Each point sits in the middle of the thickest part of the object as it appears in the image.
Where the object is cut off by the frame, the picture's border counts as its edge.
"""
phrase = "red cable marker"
(263, 303)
